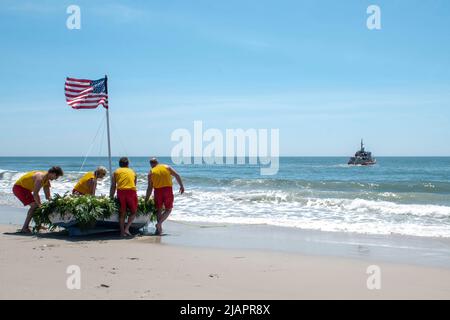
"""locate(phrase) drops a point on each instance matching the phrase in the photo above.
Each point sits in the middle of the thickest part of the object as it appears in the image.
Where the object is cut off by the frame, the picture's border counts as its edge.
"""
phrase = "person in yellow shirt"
(87, 185)
(160, 179)
(124, 180)
(27, 188)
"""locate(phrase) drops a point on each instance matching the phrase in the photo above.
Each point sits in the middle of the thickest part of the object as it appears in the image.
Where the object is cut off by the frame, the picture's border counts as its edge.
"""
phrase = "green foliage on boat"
(87, 209)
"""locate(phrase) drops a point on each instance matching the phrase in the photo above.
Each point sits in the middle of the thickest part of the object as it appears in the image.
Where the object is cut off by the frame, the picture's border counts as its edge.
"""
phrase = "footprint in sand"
(145, 294)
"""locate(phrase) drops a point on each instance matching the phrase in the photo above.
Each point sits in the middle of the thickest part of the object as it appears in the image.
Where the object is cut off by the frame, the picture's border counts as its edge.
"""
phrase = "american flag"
(86, 94)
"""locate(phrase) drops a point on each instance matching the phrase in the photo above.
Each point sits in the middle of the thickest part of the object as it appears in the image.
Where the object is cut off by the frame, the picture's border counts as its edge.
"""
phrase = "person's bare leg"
(162, 218)
(130, 221)
(26, 224)
(122, 223)
(158, 218)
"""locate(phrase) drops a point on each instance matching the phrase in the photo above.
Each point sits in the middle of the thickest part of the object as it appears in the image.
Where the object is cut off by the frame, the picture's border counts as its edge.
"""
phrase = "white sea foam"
(348, 215)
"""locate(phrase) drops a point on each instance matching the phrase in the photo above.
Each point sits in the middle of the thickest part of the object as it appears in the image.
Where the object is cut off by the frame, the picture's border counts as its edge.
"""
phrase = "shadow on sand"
(100, 236)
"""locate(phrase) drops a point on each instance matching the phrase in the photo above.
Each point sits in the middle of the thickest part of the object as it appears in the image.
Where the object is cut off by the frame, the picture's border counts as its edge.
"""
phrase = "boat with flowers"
(82, 215)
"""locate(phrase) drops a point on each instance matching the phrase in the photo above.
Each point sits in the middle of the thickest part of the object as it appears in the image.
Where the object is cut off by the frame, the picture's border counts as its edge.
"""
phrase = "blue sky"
(310, 68)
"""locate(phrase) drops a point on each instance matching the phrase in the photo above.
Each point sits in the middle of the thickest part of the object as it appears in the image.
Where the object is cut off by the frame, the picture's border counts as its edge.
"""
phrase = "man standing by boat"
(125, 179)
(87, 185)
(27, 189)
(160, 179)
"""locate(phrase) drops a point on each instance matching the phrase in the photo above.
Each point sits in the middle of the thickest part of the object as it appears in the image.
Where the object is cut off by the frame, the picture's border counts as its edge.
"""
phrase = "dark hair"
(154, 161)
(56, 170)
(123, 162)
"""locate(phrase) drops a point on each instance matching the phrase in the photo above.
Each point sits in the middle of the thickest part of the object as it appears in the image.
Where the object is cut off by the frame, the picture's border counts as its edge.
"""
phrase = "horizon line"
(281, 156)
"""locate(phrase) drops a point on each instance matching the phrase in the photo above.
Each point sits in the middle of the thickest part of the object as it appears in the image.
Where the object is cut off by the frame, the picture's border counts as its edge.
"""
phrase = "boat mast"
(362, 145)
(107, 127)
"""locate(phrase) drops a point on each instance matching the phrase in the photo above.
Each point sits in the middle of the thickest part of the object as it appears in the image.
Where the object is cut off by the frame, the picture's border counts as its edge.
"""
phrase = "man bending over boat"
(160, 179)
(87, 185)
(124, 179)
(27, 188)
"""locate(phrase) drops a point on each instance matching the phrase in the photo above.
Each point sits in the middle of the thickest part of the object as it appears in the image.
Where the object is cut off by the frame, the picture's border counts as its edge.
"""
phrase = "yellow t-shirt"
(83, 184)
(125, 178)
(161, 177)
(26, 181)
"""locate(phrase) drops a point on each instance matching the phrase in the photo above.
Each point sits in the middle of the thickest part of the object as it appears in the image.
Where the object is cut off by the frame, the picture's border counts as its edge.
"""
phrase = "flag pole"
(107, 126)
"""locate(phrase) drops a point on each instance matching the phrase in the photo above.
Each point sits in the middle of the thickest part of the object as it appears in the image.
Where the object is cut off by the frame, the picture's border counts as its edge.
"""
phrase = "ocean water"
(404, 195)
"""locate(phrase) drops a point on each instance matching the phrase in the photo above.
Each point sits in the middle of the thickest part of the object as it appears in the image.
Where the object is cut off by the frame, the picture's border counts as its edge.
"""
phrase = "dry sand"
(145, 268)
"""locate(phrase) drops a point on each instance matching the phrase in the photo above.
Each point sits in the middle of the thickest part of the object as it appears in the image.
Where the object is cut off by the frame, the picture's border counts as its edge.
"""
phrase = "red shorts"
(24, 195)
(164, 196)
(128, 199)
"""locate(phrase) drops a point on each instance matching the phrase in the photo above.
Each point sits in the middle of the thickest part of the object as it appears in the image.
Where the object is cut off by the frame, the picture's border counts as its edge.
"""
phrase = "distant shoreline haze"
(282, 156)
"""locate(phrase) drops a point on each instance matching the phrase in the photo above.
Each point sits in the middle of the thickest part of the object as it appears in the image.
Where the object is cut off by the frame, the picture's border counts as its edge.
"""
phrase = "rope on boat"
(100, 127)
(113, 129)
(101, 124)
(102, 139)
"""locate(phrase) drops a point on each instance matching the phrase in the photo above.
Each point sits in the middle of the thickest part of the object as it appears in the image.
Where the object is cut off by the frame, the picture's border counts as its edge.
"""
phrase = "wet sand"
(198, 261)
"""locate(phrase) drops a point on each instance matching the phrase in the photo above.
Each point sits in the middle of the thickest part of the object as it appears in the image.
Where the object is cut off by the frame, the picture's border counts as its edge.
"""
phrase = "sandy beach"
(176, 266)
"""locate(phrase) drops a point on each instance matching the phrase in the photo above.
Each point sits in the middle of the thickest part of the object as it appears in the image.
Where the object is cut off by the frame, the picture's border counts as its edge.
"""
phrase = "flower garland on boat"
(87, 209)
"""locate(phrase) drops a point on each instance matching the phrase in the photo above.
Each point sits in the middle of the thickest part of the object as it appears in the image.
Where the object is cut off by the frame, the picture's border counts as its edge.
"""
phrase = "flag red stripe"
(78, 80)
(75, 101)
(91, 107)
(74, 96)
(77, 85)
(71, 103)
(78, 90)
(82, 103)
(88, 106)
(87, 98)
